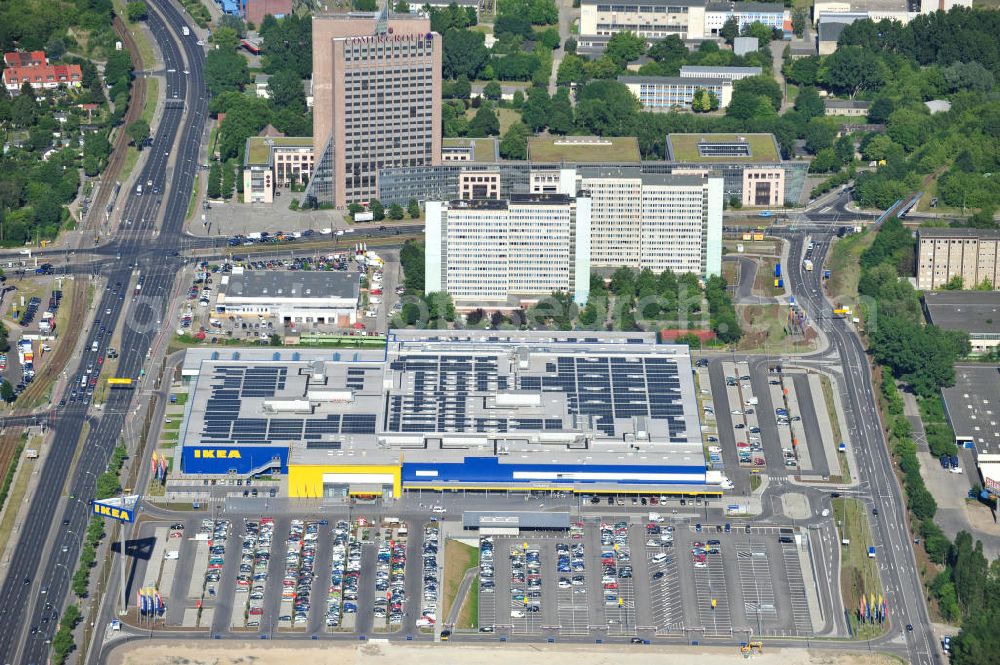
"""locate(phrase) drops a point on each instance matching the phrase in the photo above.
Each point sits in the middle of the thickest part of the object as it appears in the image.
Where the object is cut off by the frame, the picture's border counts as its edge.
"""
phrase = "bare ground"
(396, 653)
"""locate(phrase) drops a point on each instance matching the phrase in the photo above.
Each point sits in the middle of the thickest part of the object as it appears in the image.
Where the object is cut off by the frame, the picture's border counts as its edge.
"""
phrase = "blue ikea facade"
(222, 460)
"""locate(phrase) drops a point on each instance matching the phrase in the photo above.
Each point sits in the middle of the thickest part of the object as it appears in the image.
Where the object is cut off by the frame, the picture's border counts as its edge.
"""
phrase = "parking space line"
(796, 589)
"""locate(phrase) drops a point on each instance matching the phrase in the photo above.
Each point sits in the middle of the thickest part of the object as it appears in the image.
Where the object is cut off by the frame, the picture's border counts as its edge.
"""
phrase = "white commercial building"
(497, 252)
(642, 220)
(664, 93)
(291, 296)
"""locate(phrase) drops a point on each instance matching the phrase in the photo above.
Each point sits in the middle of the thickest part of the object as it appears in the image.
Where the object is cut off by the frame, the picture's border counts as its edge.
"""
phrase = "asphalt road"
(47, 551)
(897, 563)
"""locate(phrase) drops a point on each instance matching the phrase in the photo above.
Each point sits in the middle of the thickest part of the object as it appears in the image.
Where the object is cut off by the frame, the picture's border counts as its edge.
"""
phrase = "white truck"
(186, 30)
(655, 517)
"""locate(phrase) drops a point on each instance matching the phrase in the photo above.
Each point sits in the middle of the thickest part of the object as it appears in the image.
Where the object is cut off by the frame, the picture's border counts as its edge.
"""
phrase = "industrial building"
(504, 252)
(377, 101)
(946, 253)
(974, 312)
(971, 406)
(291, 297)
(275, 161)
(609, 412)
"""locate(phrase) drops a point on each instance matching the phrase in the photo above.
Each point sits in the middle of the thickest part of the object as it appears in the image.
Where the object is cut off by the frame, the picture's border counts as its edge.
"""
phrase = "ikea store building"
(451, 410)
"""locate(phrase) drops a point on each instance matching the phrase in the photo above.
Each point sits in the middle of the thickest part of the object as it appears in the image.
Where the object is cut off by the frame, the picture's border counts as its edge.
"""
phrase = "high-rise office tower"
(377, 91)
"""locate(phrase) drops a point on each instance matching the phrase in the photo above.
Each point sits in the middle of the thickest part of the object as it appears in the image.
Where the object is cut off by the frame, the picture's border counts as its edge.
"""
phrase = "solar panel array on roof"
(605, 388)
(230, 384)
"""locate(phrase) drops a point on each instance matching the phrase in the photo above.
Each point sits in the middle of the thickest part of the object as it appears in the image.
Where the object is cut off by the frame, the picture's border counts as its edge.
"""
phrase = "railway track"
(59, 358)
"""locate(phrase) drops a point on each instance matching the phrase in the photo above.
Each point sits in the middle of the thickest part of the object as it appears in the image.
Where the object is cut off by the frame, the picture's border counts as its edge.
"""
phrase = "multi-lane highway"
(40, 569)
(900, 575)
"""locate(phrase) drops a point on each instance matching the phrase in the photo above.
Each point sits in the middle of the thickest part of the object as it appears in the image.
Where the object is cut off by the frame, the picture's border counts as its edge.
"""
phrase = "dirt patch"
(276, 652)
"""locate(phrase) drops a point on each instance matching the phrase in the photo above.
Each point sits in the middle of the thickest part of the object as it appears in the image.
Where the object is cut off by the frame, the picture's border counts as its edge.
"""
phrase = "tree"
(701, 102)
(514, 144)
(214, 189)
(413, 209)
(730, 30)
(464, 53)
(535, 112)
(570, 46)
(377, 209)
(607, 108)
(396, 212)
(746, 105)
(851, 69)
(844, 149)
(136, 11)
(286, 91)
(7, 392)
(492, 91)
(669, 48)
(825, 161)
(402, 7)
(761, 85)
(624, 47)
(485, 122)
(800, 18)
(138, 131)
(561, 112)
(572, 69)
(968, 76)
(808, 102)
(803, 71)
(908, 128)
(549, 38)
(225, 70)
(881, 109)
(819, 134)
(763, 33)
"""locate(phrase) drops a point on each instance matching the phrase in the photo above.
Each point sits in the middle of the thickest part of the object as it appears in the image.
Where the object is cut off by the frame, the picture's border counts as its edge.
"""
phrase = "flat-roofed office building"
(664, 93)
(377, 89)
(500, 252)
(653, 19)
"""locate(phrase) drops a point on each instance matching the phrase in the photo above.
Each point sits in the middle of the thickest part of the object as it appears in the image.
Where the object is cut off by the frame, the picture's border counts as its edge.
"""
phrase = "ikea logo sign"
(216, 453)
(119, 514)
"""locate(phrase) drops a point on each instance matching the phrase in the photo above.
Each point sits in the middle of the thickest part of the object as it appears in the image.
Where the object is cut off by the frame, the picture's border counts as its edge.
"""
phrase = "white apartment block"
(647, 220)
(943, 254)
(492, 252)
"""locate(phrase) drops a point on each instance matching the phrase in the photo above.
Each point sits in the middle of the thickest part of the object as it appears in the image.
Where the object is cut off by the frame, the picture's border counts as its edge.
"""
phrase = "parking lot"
(605, 576)
(380, 291)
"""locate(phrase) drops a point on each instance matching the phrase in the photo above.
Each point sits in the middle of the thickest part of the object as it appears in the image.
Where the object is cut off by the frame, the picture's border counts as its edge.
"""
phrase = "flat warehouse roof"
(688, 147)
(465, 406)
(974, 312)
(973, 406)
(279, 285)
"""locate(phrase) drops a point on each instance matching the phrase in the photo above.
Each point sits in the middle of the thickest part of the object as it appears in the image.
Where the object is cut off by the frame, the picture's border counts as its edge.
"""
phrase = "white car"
(375, 300)
(517, 614)
(439, 509)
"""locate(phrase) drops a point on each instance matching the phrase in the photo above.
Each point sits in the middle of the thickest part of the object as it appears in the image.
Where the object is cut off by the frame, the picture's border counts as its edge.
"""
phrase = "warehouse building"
(291, 297)
(946, 253)
(974, 312)
(587, 412)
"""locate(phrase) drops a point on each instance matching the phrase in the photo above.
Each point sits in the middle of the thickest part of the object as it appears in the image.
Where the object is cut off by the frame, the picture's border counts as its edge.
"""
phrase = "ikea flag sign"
(121, 509)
